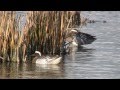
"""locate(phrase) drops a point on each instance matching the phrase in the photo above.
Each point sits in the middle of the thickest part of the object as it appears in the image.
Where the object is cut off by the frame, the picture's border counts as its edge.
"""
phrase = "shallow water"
(100, 60)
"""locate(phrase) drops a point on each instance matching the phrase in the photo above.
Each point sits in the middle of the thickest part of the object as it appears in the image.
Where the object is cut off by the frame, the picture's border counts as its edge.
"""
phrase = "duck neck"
(35, 58)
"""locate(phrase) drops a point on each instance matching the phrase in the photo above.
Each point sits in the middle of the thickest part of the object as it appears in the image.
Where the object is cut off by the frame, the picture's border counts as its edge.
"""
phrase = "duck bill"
(33, 54)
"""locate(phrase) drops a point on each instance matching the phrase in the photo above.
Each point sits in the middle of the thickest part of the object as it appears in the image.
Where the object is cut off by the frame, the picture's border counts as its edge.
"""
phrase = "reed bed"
(44, 31)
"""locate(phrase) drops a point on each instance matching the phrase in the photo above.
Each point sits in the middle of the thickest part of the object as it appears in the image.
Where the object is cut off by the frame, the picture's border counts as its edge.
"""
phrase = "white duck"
(46, 59)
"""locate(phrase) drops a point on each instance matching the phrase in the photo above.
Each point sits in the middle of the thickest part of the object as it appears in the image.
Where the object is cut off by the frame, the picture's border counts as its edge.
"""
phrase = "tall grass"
(43, 31)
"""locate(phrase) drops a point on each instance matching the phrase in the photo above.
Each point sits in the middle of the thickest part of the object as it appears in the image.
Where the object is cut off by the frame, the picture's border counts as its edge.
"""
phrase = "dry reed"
(43, 31)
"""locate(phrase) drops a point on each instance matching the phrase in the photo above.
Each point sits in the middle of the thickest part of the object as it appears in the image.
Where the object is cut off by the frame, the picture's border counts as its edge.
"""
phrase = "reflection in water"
(81, 53)
(50, 71)
(85, 53)
(8, 70)
(73, 53)
(84, 49)
(78, 62)
(29, 70)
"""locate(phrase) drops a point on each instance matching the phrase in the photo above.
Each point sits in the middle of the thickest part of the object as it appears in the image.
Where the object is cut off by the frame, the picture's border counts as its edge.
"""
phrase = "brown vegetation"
(43, 31)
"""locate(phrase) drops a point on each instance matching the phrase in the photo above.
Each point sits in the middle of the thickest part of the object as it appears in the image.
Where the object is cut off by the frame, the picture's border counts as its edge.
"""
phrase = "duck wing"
(84, 38)
(51, 58)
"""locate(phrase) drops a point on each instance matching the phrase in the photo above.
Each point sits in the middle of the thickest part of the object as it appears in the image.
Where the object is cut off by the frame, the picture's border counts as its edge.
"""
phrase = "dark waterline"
(101, 59)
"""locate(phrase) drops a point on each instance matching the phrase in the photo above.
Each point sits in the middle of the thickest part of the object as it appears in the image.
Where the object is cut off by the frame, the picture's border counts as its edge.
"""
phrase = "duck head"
(74, 31)
(37, 52)
(36, 55)
(71, 36)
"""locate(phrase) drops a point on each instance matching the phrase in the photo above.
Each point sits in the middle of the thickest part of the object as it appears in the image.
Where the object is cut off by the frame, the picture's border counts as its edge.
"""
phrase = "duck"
(68, 44)
(78, 38)
(39, 59)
